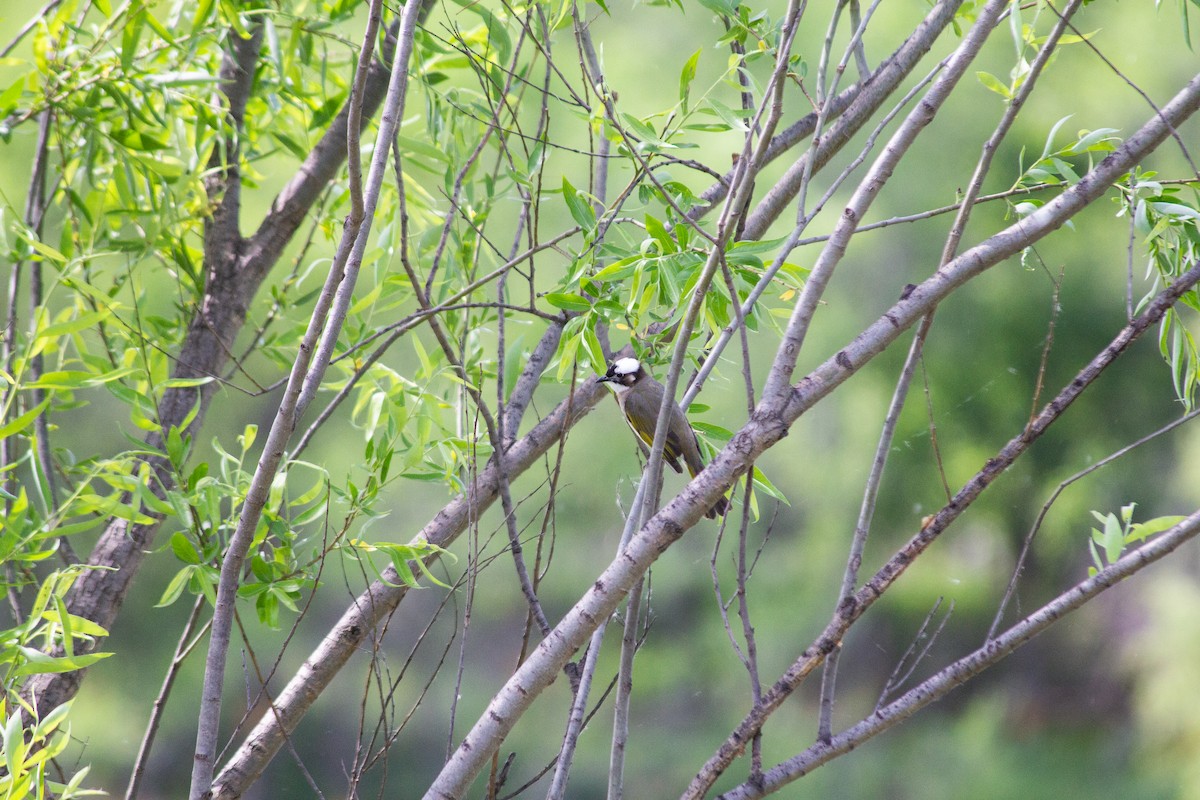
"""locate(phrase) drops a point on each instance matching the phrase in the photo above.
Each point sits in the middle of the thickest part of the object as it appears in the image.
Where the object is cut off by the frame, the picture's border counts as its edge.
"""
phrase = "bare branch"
(182, 649)
(966, 668)
(831, 255)
(859, 101)
(854, 607)
(1058, 490)
(949, 250)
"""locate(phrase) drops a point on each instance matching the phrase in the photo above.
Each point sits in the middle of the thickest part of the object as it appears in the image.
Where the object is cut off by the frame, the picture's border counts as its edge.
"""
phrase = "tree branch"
(765, 428)
(854, 607)
(325, 325)
(831, 255)
(857, 102)
(381, 599)
(970, 666)
(98, 594)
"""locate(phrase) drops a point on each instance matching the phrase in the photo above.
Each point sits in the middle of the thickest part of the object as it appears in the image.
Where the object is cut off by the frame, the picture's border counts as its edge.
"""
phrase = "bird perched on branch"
(640, 397)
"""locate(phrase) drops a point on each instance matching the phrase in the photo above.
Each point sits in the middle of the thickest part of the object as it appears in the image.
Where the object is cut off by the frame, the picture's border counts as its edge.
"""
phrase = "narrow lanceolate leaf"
(25, 420)
(38, 662)
(686, 76)
(581, 210)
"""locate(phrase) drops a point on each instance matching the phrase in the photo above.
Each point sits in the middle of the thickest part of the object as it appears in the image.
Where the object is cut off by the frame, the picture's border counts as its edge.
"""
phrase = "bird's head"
(623, 374)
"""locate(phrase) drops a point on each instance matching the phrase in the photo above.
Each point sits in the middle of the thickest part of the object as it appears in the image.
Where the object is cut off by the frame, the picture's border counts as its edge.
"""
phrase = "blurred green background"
(1106, 704)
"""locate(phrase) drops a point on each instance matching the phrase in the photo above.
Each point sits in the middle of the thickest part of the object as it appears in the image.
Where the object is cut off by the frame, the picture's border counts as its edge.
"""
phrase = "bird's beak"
(603, 379)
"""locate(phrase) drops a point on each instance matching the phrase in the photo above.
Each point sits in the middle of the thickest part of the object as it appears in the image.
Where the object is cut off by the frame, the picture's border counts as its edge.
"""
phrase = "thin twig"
(912, 657)
(182, 649)
(1019, 567)
(971, 665)
(849, 612)
(949, 250)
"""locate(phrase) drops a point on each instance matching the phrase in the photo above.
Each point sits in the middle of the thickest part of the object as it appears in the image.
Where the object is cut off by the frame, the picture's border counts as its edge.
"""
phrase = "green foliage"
(1167, 221)
(1052, 167)
(1028, 42)
(28, 749)
(30, 744)
(403, 558)
(1110, 541)
(496, 221)
(1185, 18)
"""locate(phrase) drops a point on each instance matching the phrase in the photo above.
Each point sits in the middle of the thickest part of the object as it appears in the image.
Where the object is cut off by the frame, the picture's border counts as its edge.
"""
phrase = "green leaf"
(11, 96)
(731, 117)
(290, 144)
(50, 723)
(422, 149)
(175, 587)
(22, 422)
(168, 167)
(62, 379)
(725, 8)
(658, 232)
(581, 210)
(184, 383)
(763, 485)
(78, 323)
(14, 744)
(593, 349)
(994, 84)
(77, 626)
(641, 129)
(1111, 538)
(184, 549)
(38, 663)
(709, 430)
(1176, 210)
(247, 436)
(63, 618)
(686, 76)
(204, 10)
(1047, 148)
(1095, 140)
(47, 251)
(1144, 530)
(618, 270)
(568, 301)
(144, 141)
(566, 353)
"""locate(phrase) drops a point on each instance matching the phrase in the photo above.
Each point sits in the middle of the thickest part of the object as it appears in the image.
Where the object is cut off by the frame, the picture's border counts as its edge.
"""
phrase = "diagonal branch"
(765, 428)
(235, 272)
(858, 103)
(868, 189)
(383, 596)
(312, 359)
(916, 349)
(971, 665)
(853, 607)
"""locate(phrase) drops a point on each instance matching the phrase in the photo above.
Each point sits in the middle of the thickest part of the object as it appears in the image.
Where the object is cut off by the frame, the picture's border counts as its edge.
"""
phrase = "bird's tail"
(718, 508)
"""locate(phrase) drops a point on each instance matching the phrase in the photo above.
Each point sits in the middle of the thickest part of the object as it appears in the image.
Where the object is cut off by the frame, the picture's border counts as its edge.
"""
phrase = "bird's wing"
(676, 447)
(670, 448)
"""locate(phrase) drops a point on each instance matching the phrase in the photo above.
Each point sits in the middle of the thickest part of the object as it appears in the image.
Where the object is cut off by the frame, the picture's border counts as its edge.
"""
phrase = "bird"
(640, 396)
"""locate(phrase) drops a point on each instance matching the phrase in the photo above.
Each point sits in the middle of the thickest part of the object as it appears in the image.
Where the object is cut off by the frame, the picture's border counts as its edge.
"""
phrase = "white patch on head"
(626, 366)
